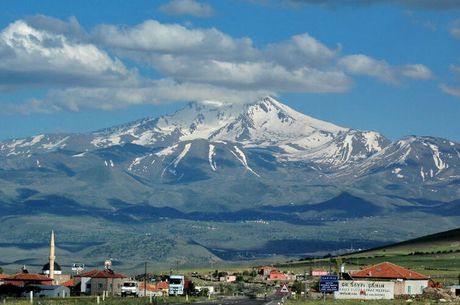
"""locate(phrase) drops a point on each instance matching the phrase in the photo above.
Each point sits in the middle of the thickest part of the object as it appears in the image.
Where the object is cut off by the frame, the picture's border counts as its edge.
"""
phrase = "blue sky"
(79, 66)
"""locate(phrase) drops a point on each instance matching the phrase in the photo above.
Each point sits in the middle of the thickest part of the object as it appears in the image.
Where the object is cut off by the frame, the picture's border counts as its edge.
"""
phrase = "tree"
(1, 270)
(338, 265)
(298, 286)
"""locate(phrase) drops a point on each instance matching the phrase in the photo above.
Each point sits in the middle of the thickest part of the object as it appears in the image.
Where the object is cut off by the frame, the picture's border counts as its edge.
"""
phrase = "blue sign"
(329, 278)
(329, 283)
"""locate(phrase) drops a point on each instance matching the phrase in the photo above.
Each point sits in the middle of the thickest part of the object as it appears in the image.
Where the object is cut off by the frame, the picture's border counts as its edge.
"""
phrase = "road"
(273, 299)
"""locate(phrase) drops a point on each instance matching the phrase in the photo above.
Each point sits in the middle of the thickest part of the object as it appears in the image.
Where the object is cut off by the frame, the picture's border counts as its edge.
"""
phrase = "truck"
(178, 285)
(130, 288)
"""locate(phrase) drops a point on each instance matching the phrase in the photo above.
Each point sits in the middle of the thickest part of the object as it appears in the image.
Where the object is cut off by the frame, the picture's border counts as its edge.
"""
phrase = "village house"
(406, 281)
(277, 275)
(228, 279)
(265, 271)
(318, 272)
(99, 282)
(2, 277)
(50, 291)
(160, 289)
(22, 279)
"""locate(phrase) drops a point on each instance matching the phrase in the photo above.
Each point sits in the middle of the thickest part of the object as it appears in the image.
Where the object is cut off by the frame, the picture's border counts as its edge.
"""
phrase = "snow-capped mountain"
(238, 166)
(267, 124)
(264, 140)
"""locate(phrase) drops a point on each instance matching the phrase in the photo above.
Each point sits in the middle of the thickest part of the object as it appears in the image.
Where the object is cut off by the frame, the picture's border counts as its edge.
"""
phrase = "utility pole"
(145, 279)
(305, 284)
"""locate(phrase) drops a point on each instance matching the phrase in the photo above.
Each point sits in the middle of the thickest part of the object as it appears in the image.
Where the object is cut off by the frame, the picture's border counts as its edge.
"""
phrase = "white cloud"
(454, 29)
(301, 64)
(56, 26)
(32, 58)
(417, 71)
(195, 64)
(454, 91)
(110, 99)
(364, 65)
(187, 7)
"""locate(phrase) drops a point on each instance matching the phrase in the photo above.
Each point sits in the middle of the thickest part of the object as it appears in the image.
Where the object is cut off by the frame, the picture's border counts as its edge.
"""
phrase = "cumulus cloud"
(111, 99)
(364, 65)
(187, 7)
(79, 70)
(34, 58)
(52, 25)
(301, 64)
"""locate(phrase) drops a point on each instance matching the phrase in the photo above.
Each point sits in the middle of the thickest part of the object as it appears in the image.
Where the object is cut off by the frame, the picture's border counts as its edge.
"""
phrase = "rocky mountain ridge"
(223, 180)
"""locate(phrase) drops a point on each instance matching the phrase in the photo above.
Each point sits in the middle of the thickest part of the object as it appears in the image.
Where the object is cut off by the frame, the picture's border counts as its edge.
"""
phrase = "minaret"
(52, 257)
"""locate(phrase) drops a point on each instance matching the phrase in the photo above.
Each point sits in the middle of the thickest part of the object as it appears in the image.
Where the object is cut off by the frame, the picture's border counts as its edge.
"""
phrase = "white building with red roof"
(406, 281)
(22, 279)
(98, 282)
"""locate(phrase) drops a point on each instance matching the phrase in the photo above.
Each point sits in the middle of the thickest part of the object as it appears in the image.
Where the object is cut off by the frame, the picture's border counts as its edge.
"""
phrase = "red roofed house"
(160, 290)
(22, 279)
(2, 277)
(97, 282)
(266, 270)
(276, 275)
(406, 281)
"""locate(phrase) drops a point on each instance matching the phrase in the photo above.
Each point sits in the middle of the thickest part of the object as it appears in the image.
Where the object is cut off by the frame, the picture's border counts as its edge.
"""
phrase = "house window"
(119, 285)
(99, 285)
(409, 289)
(421, 289)
(111, 285)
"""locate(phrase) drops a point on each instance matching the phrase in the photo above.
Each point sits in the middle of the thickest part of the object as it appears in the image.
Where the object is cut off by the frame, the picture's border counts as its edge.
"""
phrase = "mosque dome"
(46, 269)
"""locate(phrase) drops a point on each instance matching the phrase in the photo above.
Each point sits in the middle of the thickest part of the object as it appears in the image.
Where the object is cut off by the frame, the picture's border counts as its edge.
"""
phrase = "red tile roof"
(388, 271)
(267, 268)
(2, 276)
(69, 283)
(100, 274)
(154, 287)
(163, 285)
(27, 277)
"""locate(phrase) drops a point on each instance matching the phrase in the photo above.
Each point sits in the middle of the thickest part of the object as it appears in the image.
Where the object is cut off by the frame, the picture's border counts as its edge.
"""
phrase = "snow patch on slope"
(242, 158)
(437, 158)
(211, 154)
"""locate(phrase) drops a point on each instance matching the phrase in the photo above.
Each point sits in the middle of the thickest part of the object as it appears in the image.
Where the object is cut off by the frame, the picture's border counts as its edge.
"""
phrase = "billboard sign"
(365, 290)
(78, 267)
(108, 264)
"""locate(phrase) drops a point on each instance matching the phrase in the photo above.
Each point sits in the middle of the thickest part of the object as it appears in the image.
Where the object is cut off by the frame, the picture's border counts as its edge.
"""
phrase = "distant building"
(98, 282)
(276, 275)
(318, 272)
(22, 279)
(50, 291)
(160, 289)
(406, 281)
(2, 277)
(265, 271)
(228, 279)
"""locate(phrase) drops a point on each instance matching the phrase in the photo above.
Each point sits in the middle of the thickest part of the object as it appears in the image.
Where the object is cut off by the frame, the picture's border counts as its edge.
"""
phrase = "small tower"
(52, 256)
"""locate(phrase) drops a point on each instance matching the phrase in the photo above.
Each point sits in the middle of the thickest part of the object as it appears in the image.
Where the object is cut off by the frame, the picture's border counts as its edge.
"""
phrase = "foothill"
(342, 279)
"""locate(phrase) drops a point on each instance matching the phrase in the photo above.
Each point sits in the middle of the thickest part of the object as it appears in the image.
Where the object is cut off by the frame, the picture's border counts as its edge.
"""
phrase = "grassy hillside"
(436, 255)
